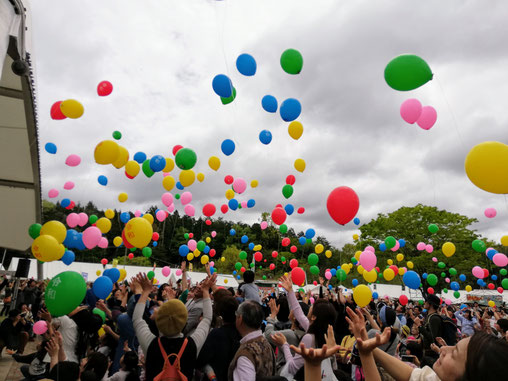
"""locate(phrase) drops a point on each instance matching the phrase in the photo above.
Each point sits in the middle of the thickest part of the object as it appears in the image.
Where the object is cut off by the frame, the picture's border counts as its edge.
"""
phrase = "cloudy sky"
(161, 57)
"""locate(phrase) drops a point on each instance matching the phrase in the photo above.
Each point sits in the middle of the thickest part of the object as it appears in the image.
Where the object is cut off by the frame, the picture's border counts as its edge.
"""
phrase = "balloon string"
(454, 119)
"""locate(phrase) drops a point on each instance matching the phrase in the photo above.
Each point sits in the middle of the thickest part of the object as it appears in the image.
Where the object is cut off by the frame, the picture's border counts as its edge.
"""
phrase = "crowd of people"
(188, 331)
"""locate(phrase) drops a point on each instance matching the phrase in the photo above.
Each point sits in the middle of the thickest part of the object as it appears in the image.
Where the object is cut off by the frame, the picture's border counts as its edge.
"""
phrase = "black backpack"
(449, 329)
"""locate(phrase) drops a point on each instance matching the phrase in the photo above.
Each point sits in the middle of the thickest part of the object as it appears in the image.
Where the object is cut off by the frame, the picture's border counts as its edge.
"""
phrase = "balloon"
(269, 103)
(209, 210)
(40, 327)
(239, 185)
(117, 135)
(186, 198)
(319, 248)
(104, 88)
(433, 228)
(432, 279)
(342, 204)
(290, 180)
(227, 147)
(388, 274)
(50, 148)
(55, 229)
(64, 293)
(412, 280)
(254, 183)
(222, 86)
(403, 300)
(103, 180)
(265, 137)
(291, 61)
(278, 216)
(224, 208)
(490, 212)
(290, 109)
(167, 198)
(233, 204)
(157, 163)
(504, 240)
(189, 210)
(362, 295)
(146, 169)
(160, 215)
(500, 260)
(102, 287)
(68, 185)
(53, 193)
(288, 208)
(407, 72)
(429, 248)
(486, 165)
(71, 108)
(187, 177)
(106, 152)
(138, 232)
(200, 176)
(287, 191)
(295, 130)
(34, 230)
(299, 165)
(368, 260)
(56, 112)
(73, 160)
(479, 246)
(410, 110)
(427, 118)
(298, 276)
(104, 225)
(246, 64)
(228, 100)
(168, 182)
(229, 179)
(293, 263)
(122, 197)
(46, 248)
(122, 158)
(185, 158)
(214, 162)
(448, 249)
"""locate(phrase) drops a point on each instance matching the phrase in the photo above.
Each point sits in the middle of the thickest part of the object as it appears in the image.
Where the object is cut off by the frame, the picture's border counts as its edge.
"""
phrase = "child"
(129, 366)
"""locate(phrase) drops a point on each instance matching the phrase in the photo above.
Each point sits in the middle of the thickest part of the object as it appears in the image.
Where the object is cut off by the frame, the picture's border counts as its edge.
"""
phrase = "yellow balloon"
(208, 239)
(122, 158)
(187, 177)
(55, 229)
(98, 273)
(117, 241)
(190, 257)
(132, 168)
(168, 182)
(101, 332)
(258, 247)
(390, 262)
(328, 253)
(71, 108)
(360, 269)
(388, 274)
(400, 257)
(350, 265)
(230, 193)
(225, 281)
(115, 262)
(300, 165)
(103, 224)
(370, 276)
(106, 152)
(109, 213)
(362, 295)
(345, 267)
(491, 303)
(295, 129)
(214, 163)
(254, 183)
(285, 274)
(46, 248)
(123, 274)
(196, 253)
(504, 240)
(204, 259)
(148, 217)
(319, 248)
(155, 281)
(401, 271)
(170, 164)
(138, 232)
(122, 197)
(222, 259)
(469, 288)
(448, 249)
(357, 255)
(355, 237)
(410, 264)
(486, 166)
(200, 177)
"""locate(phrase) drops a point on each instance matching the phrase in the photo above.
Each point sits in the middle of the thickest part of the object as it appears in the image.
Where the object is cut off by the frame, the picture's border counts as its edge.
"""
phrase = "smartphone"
(407, 358)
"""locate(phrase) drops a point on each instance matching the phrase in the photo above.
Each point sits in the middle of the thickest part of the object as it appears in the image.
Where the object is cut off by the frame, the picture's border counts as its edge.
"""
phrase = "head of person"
(96, 363)
(24, 307)
(400, 309)
(432, 302)
(163, 287)
(479, 357)
(13, 314)
(226, 308)
(232, 291)
(31, 283)
(129, 361)
(320, 315)
(171, 317)
(249, 317)
(405, 331)
(248, 276)
(283, 314)
(468, 315)
(502, 326)
(415, 349)
(67, 370)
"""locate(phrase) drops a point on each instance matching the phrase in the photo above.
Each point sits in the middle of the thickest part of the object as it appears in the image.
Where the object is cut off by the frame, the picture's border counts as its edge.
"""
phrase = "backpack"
(449, 330)
(171, 372)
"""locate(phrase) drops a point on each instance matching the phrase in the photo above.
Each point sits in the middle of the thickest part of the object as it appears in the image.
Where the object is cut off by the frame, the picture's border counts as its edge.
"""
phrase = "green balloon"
(101, 313)
(132, 249)
(147, 252)
(291, 61)
(264, 277)
(146, 168)
(313, 259)
(283, 228)
(390, 242)
(283, 259)
(433, 228)
(287, 191)
(407, 72)
(252, 265)
(503, 272)
(309, 240)
(504, 283)
(93, 219)
(443, 274)
(177, 196)
(238, 266)
(456, 294)
(445, 290)
(64, 293)
(479, 246)
(354, 261)
(420, 302)
(185, 158)
(452, 271)
(441, 265)
(380, 275)
(242, 255)
(117, 135)
(230, 99)
(341, 275)
(432, 279)
(314, 270)
(150, 274)
(201, 245)
(34, 230)
(186, 235)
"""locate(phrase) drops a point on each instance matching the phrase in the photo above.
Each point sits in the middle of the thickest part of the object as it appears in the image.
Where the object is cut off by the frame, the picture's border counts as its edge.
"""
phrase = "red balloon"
(125, 242)
(224, 208)
(71, 205)
(208, 222)
(486, 273)
(128, 176)
(104, 261)
(395, 269)
(155, 236)
(274, 254)
(191, 235)
(104, 88)
(500, 290)
(212, 252)
(286, 241)
(377, 269)
(131, 255)
(403, 300)
(55, 111)
(176, 148)
(314, 283)
(290, 180)
(278, 206)
(284, 262)
(209, 210)
(342, 205)
(293, 263)
(430, 290)
(293, 249)
(272, 266)
(491, 286)
(301, 210)
(298, 276)
(229, 179)
(264, 260)
(279, 216)
(242, 269)
(258, 256)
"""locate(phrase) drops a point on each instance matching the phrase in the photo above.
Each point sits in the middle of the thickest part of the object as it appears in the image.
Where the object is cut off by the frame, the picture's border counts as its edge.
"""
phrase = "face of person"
(452, 361)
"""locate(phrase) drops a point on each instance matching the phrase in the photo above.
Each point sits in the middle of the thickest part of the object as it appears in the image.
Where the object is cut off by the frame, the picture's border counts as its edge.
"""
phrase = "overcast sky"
(161, 57)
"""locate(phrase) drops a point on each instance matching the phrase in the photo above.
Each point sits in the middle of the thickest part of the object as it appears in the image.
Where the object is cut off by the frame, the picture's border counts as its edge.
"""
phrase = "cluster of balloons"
(412, 112)
(69, 108)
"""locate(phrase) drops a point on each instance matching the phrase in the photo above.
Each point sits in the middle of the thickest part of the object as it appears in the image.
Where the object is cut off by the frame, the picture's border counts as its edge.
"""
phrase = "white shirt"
(69, 330)
(424, 374)
(245, 369)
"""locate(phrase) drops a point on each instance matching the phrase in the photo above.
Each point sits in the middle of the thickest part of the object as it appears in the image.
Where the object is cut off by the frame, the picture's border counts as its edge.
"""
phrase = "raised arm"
(201, 332)
(183, 267)
(143, 333)
(286, 282)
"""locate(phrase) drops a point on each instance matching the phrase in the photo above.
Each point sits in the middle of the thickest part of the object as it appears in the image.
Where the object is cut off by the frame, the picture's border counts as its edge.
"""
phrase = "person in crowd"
(194, 307)
(13, 332)
(249, 288)
(431, 328)
(467, 322)
(7, 300)
(129, 370)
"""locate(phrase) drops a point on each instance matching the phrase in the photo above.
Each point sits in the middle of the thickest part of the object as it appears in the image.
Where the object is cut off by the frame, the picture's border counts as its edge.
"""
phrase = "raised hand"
(274, 308)
(279, 339)
(356, 322)
(52, 348)
(286, 282)
(316, 356)
(183, 266)
(367, 346)
(144, 283)
(330, 337)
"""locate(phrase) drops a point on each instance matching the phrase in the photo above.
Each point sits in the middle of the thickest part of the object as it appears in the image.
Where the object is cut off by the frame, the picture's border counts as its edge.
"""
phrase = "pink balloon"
(434, 259)
(370, 248)
(264, 225)
(368, 260)
(103, 243)
(312, 300)
(239, 185)
(53, 193)
(40, 327)
(396, 247)
(161, 215)
(68, 185)
(490, 212)
(73, 160)
(137, 213)
(428, 118)
(166, 271)
(171, 208)
(189, 210)
(166, 174)
(178, 272)
(328, 275)
(192, 245)
(72, 220)
(185, 198)
(212, 263)
(167, 199)
(91, 237)
(83, 219)
(214, 233)
(244, 204)
(500, 260)
(448, 302)
(429, 248)
(411, 110)
(447, 280)
(421, 246)
(478, 272)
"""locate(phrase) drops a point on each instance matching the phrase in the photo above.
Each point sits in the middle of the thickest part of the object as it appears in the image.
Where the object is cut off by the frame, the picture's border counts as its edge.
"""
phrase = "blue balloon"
(113, 274)
(125, 217)
(140, 157)
(493, 277)
(330, 286)
(234, 272)
(212, 270)
(455, 286)
(227, 147)
(246, 64)
(69, 240)
(355, 282)
(491, 253)
(375, 295)
(356, 221)
(154, 244)
(207, 249)
(265, 137)
(251, 246)
(251, 203)
(402, 242)
(233, 204)
(269, 103)
(50, 148)
(68, 257)
(289, 209)
(179, 185)
(463, 305)
(80, 245)
(302, 240)
(103, 180)
(65, 203)
(232, 232)
(333, 271)
(479, 282)
(183, 250)
(244, 239)
(310, 233)
(290, 109)
(412, 280)
(462, 278)
(102, 287)
(382, 246)
(157, 163)
(238, 277)
(222, 86)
